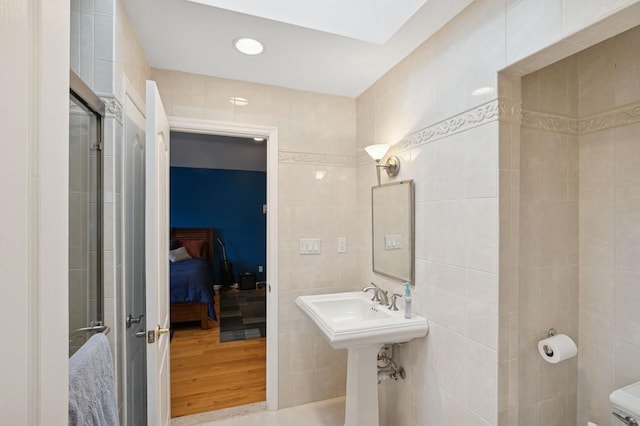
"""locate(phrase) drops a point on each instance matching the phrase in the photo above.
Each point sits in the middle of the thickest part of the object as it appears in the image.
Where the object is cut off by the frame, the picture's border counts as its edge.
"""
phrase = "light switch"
(342, 245)
(309, 246)
(393, 242)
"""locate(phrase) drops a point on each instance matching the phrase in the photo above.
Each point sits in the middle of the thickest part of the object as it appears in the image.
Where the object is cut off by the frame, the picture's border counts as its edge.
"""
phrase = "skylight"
(373, 21)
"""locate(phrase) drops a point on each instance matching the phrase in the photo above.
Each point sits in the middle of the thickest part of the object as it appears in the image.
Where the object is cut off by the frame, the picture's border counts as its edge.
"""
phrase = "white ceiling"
(339, 47)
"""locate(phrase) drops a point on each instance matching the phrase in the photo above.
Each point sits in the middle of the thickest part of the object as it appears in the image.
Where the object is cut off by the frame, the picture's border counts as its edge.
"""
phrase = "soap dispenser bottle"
(407, 301)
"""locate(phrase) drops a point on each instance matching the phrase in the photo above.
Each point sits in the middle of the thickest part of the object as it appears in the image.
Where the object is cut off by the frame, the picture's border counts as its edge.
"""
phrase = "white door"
(157, 259)
(135, 348)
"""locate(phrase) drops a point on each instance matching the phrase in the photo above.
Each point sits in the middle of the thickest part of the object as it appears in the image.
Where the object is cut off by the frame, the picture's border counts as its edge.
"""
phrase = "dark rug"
(243, 315)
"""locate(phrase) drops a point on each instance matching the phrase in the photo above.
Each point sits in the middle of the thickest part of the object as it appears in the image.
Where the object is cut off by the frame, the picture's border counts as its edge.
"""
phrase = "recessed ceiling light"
(239, 101)
(258, 139)
(248, 46)
(483, 91)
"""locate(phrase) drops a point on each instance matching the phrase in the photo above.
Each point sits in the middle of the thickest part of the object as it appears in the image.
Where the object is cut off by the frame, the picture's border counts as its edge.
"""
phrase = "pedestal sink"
(352, 321)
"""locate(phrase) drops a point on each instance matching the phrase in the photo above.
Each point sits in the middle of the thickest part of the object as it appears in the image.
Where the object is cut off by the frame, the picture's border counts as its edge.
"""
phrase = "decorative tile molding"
(549, 122)
(113, 107)
(467, 120)
(510, 110)
(317, 159)
(628, 114)
(502, 108)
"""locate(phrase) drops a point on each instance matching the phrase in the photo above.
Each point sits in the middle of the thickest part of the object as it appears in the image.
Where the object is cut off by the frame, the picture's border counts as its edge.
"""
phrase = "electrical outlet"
(260, 268)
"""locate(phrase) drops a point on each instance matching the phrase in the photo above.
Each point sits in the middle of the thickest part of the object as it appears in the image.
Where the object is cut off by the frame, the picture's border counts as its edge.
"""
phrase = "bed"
(191, 280)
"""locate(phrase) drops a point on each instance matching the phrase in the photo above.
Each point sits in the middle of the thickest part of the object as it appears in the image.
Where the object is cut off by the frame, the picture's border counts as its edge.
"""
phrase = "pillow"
(179, 254)
(195, 248)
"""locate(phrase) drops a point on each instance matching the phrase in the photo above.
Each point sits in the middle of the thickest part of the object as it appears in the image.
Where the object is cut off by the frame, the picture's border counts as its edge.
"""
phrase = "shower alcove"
(570, 234)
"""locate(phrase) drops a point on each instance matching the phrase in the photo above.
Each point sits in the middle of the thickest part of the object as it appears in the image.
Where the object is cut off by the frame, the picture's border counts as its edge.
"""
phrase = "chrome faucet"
(379, 295)
(384, 297)
(376, 289)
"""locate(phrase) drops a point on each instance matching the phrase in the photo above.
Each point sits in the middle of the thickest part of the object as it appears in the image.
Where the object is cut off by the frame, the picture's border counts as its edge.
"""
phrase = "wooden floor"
(207, 375)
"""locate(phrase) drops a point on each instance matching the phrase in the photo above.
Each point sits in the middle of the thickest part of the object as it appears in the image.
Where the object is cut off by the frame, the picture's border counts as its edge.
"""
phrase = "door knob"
(153, 335)
(133, 320)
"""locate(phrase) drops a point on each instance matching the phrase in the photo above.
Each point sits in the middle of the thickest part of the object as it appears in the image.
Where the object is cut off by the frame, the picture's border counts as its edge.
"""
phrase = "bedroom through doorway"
(218, 217)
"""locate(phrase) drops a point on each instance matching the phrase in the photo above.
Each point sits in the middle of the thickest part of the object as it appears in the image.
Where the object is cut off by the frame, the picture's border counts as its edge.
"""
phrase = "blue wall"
(230, 202)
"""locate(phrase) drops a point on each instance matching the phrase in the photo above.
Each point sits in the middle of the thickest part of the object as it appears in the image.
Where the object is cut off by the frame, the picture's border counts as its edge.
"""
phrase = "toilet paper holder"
(546, 348)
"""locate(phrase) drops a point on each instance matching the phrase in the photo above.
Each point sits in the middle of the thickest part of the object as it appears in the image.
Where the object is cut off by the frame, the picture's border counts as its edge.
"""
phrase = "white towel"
(92, 392)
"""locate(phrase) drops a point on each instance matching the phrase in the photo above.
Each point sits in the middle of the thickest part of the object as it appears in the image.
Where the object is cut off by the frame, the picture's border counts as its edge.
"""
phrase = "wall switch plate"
(342, 244)
(309, 246)
(260, 269)
(393, 242)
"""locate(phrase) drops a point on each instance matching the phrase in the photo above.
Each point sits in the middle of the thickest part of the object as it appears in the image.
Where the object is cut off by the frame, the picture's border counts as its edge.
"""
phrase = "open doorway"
(219, 184)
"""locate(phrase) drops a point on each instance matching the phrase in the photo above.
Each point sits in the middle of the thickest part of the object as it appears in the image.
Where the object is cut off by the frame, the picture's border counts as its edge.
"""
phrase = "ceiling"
(338, 47)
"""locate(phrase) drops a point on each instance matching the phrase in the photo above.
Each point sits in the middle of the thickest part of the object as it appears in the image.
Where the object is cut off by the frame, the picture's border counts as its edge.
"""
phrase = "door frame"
(270, 133)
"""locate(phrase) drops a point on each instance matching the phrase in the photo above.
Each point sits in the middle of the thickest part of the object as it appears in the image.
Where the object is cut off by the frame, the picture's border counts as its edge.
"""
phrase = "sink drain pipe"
(387, 366)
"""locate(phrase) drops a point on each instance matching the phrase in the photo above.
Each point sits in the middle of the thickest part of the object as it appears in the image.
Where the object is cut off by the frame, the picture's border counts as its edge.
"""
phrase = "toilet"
(626, 405)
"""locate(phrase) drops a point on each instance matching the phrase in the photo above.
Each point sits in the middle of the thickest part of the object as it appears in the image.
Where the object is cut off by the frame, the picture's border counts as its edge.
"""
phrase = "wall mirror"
(392, 207)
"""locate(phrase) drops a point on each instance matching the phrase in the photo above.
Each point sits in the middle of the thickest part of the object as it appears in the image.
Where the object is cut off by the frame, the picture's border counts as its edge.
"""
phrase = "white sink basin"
(351, 319)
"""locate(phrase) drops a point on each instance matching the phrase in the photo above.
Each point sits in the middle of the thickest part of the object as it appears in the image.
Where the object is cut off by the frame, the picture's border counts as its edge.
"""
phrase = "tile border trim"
(290, 157)
(502, 108)
(628, 114)
(469, 119)
(549, 122)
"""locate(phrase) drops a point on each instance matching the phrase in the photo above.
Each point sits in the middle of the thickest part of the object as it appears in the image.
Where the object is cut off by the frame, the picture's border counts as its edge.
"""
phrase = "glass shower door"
(85, 215)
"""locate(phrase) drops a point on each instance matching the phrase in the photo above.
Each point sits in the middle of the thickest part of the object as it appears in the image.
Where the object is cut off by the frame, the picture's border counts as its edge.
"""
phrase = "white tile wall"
(318, 133)
(431, 85)
(603, 202)
(525, 17)
(608, 228)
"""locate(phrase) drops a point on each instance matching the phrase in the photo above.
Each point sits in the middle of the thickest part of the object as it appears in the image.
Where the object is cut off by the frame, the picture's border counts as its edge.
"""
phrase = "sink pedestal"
(362, 386)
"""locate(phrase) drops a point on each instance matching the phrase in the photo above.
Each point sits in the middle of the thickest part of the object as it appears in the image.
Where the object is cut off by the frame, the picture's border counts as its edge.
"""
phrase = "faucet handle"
(394, 298)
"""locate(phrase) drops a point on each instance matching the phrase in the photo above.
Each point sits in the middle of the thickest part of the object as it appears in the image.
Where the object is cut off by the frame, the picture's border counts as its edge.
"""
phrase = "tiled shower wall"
(580, 199)
(548, 264)
(92, 43)
(92, 59)
(609, 126)
(316, 190)
(102, 59)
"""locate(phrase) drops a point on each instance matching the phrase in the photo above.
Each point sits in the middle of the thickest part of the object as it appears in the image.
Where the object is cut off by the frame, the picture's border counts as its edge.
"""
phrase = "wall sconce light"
(377, 152)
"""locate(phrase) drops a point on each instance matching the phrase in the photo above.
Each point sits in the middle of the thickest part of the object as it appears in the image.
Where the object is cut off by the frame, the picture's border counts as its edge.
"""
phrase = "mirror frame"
(411, 220)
